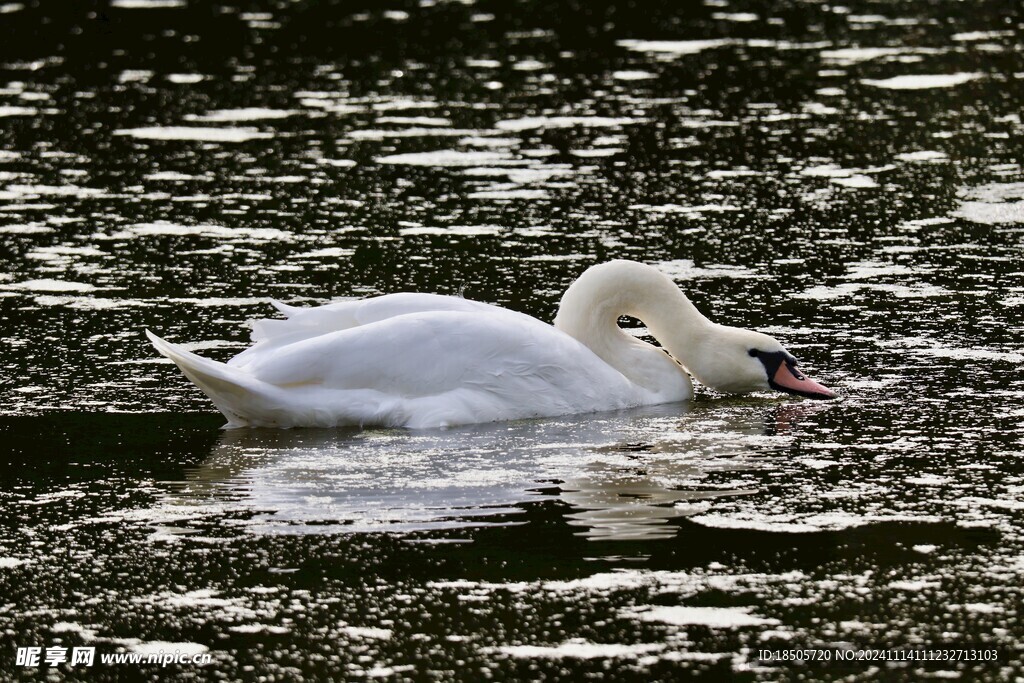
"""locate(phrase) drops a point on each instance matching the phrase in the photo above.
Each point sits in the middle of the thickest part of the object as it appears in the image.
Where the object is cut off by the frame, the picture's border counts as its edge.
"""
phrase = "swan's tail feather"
(232, 390)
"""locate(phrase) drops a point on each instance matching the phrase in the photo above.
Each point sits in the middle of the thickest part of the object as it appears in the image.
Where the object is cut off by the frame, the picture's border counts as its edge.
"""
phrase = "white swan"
(423, 360)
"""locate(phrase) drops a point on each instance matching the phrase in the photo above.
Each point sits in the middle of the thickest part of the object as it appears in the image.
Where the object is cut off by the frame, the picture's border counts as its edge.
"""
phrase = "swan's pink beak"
(788, 378)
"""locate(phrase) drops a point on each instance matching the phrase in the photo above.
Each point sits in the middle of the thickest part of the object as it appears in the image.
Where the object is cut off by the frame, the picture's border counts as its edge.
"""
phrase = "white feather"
(422, 360)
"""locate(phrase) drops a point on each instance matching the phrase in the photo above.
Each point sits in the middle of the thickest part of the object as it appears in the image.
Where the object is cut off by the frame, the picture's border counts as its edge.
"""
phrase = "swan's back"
(305, 323)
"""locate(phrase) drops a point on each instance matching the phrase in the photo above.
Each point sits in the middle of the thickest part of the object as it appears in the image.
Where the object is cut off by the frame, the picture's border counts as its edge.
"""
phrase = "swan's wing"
(511, 360)
(305, 323)
(425, 369)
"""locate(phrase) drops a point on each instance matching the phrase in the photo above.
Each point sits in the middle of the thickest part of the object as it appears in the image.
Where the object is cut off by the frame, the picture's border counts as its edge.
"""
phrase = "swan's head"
(738, 361)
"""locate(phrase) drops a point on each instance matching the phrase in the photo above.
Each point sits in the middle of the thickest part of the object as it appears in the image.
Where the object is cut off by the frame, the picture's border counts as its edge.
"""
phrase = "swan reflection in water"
(622, 474)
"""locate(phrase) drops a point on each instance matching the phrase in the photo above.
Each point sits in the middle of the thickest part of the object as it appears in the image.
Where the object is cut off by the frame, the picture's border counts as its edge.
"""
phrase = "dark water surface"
(846, 178)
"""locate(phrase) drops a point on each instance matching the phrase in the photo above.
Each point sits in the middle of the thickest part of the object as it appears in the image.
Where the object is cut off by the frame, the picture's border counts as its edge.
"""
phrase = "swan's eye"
(753, 353)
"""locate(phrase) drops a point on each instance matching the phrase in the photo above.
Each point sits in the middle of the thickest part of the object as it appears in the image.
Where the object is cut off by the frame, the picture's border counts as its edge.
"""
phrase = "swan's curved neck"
(591, 307)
